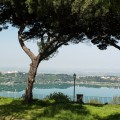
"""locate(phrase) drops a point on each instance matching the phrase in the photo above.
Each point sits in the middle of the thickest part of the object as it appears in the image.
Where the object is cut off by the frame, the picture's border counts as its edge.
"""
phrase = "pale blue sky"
(72, 58)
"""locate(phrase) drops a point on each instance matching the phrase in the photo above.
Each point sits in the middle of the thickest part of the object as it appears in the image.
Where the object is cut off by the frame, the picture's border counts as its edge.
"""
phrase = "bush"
(58, 97)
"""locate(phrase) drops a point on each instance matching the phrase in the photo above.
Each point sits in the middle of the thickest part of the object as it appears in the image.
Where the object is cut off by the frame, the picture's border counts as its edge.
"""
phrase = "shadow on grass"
(17, 109)
(113, 117)
(12, 109)
(110, 117)
(62, 109)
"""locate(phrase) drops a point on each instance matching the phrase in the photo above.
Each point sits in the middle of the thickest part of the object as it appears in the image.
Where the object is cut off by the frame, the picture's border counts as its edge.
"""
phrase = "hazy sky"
(74, 58)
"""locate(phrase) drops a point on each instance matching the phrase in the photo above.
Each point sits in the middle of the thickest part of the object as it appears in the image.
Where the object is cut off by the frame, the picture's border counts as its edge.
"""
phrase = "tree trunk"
(33, 66)
(30, 81)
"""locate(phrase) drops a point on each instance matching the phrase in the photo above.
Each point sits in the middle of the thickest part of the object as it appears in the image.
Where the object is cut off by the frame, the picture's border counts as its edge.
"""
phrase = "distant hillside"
(56, 80)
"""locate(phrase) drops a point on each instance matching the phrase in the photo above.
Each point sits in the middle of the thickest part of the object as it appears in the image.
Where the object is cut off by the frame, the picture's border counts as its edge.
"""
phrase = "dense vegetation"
(48, 110)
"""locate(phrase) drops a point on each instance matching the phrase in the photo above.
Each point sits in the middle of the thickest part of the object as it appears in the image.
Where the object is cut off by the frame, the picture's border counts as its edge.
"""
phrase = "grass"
(16, 109)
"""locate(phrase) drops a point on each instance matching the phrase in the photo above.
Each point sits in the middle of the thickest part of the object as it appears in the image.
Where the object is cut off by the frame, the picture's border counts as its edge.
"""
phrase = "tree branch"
(27, 51)
(115, 45)
(47, 53)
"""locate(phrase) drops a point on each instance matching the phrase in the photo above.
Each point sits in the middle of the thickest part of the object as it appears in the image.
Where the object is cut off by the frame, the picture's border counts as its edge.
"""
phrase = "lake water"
(104, 94)
(101, 92)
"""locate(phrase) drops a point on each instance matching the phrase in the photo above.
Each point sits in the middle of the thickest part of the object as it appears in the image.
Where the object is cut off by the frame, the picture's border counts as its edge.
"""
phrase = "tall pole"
(74, 90)
(74, 77)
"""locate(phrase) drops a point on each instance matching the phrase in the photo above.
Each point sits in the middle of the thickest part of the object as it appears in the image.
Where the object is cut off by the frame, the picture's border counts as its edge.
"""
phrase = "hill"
(17, 80)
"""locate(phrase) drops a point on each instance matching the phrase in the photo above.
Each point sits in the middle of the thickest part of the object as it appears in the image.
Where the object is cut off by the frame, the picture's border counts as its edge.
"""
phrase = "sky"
(83, 57)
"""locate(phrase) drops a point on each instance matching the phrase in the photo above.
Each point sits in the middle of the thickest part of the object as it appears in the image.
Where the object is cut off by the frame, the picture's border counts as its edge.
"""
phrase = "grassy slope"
(14, 109)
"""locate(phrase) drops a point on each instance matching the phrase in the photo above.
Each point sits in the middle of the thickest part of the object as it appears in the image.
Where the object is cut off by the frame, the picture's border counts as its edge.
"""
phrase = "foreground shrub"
(58, 97)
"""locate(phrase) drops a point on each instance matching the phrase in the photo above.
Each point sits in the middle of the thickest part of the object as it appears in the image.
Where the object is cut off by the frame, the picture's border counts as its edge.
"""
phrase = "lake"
(87, 91)
(103, 94)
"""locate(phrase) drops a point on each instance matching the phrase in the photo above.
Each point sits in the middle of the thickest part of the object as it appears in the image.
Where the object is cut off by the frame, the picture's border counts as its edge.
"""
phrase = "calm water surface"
(102, 92)
(86, 91)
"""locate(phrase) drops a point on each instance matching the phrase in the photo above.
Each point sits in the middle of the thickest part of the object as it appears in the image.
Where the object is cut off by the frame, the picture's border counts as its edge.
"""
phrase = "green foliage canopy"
(63, 21)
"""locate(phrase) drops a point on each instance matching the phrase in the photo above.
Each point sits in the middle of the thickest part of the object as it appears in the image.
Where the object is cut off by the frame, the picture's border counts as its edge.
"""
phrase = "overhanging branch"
(54, 48)
(115, 45)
